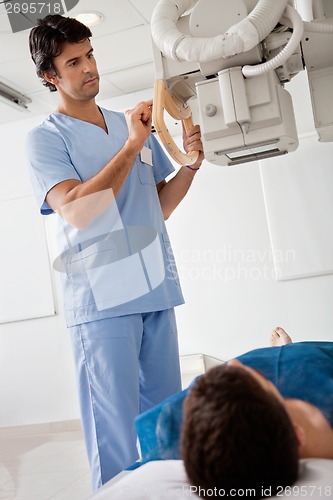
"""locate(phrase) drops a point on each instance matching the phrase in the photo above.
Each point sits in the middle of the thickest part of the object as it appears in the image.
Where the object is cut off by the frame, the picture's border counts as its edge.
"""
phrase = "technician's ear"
(51, 78)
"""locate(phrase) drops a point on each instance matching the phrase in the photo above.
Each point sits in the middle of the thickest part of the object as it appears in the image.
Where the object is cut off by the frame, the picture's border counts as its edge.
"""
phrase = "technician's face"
(76, 71)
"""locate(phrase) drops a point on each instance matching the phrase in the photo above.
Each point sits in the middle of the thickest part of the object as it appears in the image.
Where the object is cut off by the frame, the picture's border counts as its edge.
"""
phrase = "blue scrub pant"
(124, 366)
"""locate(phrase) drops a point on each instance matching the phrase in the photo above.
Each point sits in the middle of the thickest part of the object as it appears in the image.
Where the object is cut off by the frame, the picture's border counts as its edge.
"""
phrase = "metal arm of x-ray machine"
(229, 60)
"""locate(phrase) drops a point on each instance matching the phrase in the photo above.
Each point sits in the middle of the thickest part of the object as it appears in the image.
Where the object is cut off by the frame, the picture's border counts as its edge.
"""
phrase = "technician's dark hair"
(237, 436)
(46, 41)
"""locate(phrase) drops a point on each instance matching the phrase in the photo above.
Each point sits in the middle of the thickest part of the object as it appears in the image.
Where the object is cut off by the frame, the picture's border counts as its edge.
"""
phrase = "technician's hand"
(139, 120)
(192, 142)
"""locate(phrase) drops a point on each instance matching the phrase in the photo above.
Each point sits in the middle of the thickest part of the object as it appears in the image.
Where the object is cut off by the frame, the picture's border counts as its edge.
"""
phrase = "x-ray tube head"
(235, 70)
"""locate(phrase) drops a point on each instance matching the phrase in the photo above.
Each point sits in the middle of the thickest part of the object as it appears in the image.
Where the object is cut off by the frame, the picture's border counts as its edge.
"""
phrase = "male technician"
(103, 174)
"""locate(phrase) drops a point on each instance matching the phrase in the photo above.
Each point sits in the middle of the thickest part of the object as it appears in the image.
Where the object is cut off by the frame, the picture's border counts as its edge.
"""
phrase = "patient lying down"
(244, 424)
(238, 431)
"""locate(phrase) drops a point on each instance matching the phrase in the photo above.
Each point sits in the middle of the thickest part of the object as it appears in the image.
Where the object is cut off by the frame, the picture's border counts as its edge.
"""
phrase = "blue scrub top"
(122, 262)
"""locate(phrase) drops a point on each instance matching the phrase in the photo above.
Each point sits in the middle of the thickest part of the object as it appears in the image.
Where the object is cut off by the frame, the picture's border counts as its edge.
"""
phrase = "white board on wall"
(298, 191)
(26, 289)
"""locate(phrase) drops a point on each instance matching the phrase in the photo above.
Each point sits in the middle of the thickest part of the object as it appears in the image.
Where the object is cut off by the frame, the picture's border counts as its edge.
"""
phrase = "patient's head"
(237, 434)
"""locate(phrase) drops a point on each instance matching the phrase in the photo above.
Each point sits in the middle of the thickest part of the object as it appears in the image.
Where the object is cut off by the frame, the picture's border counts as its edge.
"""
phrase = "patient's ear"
(300, 434)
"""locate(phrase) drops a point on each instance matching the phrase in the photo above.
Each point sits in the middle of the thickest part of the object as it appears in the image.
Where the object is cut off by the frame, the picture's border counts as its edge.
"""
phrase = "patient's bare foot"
(280, 337)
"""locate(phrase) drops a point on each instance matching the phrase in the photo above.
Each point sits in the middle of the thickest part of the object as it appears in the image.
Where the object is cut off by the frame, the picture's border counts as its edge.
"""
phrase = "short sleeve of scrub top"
(50, 162)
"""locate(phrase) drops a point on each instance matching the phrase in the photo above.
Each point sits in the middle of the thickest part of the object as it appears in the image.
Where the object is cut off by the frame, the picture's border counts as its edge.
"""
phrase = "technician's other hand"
(192, 142)
(139, 120)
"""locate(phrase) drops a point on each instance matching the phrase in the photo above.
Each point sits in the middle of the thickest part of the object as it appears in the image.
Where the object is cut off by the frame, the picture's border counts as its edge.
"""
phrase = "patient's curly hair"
(46, 41)
(236, 435)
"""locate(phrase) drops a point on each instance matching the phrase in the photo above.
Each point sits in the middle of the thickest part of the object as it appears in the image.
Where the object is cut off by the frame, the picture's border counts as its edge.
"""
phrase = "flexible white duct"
(239, 38)
(313, 27)
(163, 24)
(264, 17)
(286, 52)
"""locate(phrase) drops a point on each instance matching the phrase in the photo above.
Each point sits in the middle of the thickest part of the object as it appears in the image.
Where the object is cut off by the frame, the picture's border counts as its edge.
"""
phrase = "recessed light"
(90, 18)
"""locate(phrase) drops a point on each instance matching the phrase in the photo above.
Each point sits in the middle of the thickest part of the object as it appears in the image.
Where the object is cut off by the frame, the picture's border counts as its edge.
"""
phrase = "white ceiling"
(122, 47)
(125, 60)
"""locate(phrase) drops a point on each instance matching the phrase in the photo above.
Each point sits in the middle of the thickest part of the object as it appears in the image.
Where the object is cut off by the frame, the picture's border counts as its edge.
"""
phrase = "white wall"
(232, 303)
(222, 245)
(36, 375)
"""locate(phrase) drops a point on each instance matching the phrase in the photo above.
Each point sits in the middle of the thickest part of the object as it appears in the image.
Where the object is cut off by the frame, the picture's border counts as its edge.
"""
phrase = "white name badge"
(146, 156)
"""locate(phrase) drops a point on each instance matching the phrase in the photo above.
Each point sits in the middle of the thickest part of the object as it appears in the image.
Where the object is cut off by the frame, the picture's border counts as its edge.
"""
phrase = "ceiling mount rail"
(14, 98)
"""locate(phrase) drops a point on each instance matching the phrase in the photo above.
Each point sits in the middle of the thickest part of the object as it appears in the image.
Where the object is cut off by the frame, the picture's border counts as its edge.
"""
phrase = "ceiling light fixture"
(14, 98)
(90, 18)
